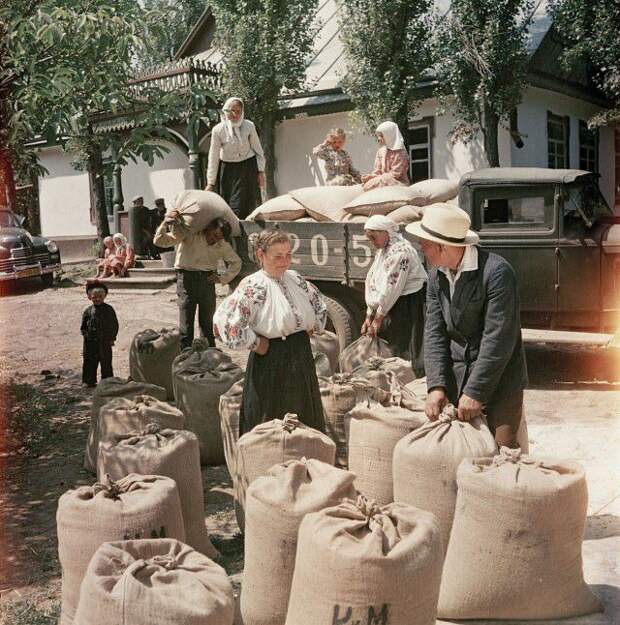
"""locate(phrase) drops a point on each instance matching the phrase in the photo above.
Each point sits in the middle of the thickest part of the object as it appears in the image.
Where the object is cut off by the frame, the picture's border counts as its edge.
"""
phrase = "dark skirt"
(239, 186)
(283, 380)
(403, 329)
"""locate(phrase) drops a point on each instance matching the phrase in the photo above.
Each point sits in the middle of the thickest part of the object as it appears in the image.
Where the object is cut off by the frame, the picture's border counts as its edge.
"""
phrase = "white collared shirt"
(469, 262)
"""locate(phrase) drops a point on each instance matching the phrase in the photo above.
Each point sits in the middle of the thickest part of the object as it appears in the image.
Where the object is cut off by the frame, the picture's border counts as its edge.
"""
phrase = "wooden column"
(194, 154)
(117, 190)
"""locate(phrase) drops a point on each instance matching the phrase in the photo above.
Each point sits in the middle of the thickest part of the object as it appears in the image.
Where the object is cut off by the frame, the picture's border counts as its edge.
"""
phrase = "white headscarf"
(120, 241)
(393, 139)
(380, 222)
(233, 127)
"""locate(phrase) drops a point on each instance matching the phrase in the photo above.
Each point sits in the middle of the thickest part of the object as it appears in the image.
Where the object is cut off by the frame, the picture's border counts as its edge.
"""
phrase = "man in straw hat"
(474, 356)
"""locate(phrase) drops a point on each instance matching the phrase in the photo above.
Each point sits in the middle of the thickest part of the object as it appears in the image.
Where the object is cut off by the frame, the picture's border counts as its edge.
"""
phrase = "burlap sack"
(425, 463)
(436, 190)
(122, 415)
(361, 351)
(273, 442)
(518, 529)
(199, 208)
(138, 506)
(522, 434)
(173, 453)
(327, 343)
(151, 355)
(360, 563)
(381, 371)
(322, 365)
(326, 203)
(281, 208)
(276, 504)
(374, 431)
(356, 219)
(154, 582)
(383, 200)
(201, 375)
(230, 407)
(108, 389)
(407, 214)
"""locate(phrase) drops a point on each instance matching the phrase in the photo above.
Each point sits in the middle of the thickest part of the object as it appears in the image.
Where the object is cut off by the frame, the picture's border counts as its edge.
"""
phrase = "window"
(420, 153)
(588, 148)
(557, 141)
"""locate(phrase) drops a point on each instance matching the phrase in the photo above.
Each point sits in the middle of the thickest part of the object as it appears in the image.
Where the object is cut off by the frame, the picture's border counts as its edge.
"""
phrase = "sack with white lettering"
(361, 351)
(327, 343)
(137, 506)
(435, 190)
(197, 209)
(358, 562)
(154, 582)
(381, 371)
(276, 504)
(517, 532)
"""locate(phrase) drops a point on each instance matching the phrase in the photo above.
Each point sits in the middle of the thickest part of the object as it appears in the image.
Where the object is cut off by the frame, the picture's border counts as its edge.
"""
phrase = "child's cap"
(95, 284)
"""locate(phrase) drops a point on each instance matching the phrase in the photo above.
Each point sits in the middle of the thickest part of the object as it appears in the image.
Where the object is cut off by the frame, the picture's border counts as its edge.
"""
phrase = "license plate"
(29, 273)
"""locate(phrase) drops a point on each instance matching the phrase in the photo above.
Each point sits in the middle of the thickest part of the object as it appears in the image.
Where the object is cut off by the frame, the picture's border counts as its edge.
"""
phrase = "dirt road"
(45, 415)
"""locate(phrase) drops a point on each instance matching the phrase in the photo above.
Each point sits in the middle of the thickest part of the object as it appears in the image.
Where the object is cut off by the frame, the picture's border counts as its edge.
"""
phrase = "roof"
(524, 174)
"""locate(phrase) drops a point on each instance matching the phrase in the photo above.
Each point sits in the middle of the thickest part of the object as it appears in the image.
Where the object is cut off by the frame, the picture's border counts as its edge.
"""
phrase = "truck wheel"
(342, 320)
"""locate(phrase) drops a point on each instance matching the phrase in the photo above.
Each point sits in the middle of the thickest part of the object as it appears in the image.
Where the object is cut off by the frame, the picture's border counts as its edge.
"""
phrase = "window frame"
(564, 121)
(594, 146)
(429, 124)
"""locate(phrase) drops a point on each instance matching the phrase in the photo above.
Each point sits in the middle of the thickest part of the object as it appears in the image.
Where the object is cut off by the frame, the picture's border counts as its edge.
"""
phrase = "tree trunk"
(490, 133)
(95, 169)
(267, 136)
(7, 180)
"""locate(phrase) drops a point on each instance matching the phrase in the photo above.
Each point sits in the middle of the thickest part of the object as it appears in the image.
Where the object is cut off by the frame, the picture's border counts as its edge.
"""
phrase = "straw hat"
(445, 224)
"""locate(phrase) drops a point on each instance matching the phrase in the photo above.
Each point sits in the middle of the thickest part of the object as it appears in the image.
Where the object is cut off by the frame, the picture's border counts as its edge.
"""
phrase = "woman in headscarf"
(395, 292)
(392, 160)
(339, 168)
(124, 257)
(236, 160)
(103, 265)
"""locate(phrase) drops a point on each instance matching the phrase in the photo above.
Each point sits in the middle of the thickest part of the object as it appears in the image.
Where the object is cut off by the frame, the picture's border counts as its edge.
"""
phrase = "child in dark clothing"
(99, 329)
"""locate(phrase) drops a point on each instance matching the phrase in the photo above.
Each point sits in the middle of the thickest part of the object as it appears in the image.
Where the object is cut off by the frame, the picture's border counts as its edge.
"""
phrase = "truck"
(553, 225)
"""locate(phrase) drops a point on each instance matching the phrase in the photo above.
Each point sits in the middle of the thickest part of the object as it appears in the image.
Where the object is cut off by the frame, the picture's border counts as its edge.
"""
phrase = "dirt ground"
(573, 411)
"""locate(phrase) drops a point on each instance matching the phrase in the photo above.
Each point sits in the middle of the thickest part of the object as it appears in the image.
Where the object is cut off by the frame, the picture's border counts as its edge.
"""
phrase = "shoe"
(87, 385)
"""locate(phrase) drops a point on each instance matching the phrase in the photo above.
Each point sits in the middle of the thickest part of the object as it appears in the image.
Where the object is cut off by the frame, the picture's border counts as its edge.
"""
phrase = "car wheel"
(47, 279)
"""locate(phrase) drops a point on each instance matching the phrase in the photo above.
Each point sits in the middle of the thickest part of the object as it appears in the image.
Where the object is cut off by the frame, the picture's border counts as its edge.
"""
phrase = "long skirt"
(239, 186)
(403, 329)
(283, 380)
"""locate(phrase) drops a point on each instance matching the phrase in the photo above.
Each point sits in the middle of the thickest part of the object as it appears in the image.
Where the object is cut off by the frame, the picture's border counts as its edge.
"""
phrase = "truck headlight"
(52, 248)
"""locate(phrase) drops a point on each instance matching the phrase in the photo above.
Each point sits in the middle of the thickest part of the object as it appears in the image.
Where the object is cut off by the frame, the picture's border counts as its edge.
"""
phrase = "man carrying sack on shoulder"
(474, 355)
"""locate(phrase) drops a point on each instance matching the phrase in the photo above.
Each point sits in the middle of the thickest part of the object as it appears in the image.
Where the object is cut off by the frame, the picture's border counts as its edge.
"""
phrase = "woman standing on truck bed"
(392, 160)
(272, 313)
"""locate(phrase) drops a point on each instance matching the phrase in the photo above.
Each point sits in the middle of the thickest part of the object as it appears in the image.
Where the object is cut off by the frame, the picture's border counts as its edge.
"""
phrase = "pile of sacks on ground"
(401, 203)
(386, 518)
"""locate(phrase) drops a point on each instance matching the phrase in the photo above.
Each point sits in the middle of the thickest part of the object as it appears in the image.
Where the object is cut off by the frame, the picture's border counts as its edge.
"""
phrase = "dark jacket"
(99, 323)
(473, 342)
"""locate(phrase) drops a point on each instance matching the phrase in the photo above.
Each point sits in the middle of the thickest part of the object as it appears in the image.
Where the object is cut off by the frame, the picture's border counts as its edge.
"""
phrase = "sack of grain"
(201, 375)
(383, 200)
(199, 208)
(276, 504)
(277, 441)
(435, 190)
(518, 529)
(361, 351)
(326, 203)
(355, 219)
(154, 582)
(374, 430)
(322, 365)
(137, 506)
(358, 562)
(173, 453)
(151, 355)
(281, 208)
(425, 463)
(108, 389)
(122, 415)
(327, 343)
(522, 434)
(407, 214)
(381, 371)
(230, 407)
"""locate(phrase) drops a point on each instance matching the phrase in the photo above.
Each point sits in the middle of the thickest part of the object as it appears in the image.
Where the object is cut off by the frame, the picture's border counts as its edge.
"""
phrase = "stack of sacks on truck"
(151, 355)
(108, 389)
(154, 582)
(201, 375)
(276, 504)
(273, 442)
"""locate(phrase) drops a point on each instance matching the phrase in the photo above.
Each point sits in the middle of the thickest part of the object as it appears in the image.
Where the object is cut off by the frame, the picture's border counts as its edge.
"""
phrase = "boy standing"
(99, 329)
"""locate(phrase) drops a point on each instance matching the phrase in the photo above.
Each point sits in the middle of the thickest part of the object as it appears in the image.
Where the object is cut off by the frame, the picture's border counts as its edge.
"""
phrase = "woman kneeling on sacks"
(272, 312)
(395, 292)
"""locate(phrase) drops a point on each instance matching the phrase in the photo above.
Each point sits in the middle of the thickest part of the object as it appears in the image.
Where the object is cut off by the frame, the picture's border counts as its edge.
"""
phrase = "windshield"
(8, 220)
(586, 198)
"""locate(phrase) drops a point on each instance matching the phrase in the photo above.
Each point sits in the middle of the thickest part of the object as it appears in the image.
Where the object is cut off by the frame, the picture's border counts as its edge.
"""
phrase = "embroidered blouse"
(338, 165)
(391, 168)
(397, 270)
(271, 307)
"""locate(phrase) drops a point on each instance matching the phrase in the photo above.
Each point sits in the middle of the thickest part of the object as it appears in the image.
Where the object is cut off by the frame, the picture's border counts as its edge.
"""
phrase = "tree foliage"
(481, 64)
(591, 32)
(387, 54)
(266, 45)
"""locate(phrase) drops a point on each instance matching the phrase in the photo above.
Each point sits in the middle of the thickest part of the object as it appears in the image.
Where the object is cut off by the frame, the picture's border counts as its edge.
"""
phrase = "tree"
(589, 30)
(481, 64)
(386, 55)
(266, 44)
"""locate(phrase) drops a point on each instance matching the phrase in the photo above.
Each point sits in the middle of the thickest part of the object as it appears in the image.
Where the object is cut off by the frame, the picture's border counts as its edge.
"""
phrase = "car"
(23, 255)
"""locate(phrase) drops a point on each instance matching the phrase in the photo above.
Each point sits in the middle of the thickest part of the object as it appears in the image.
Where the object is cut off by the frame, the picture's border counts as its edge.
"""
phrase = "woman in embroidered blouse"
(338, 164)
(392, 160)
(395, 292)
(272, 313)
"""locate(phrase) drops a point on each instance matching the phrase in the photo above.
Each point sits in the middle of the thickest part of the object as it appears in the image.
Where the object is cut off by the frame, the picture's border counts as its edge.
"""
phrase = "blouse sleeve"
(378, 169)
(256, 146)
(214, 156)
(397, 269)
(316, 301)
(324, 152)
(399, 168)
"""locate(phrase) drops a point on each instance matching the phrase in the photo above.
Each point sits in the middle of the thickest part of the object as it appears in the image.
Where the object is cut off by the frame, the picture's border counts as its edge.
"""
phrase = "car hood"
(15, 237)
(611, 240)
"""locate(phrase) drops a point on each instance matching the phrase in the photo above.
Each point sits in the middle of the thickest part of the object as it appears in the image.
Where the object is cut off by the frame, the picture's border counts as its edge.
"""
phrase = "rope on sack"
(368, 507)
(448, 414)
(112, 489)
(290, 422)
(167, 562)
